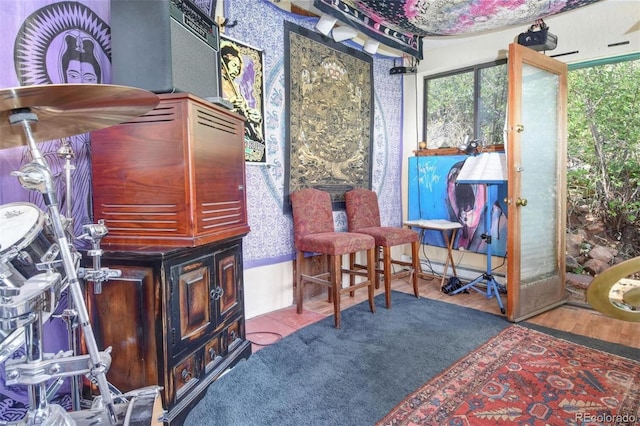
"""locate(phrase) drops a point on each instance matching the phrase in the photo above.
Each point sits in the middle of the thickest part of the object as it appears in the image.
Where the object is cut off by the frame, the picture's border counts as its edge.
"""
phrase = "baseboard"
(464, 273)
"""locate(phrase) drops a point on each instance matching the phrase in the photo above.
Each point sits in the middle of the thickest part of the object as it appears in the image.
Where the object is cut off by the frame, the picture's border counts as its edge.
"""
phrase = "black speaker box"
(165, 46)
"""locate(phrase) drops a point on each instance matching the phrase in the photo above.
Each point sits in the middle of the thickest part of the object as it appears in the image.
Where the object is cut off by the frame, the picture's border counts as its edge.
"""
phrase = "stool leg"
(386, 268)
(372, 277)
(377, 264)
(352, 277)
(336, 284)
(298, 281)
(415, 261)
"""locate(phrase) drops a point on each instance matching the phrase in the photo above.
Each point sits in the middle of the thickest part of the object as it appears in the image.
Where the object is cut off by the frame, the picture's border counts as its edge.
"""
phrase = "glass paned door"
(536, 152)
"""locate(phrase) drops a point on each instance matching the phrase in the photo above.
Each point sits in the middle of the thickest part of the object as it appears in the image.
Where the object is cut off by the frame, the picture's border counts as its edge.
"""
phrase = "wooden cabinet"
(174, 318)
(172, 177)
(170, 187)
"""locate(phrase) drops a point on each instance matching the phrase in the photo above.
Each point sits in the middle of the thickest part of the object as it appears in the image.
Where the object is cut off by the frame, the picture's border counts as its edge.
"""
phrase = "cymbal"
(70, 109)
(626, 306)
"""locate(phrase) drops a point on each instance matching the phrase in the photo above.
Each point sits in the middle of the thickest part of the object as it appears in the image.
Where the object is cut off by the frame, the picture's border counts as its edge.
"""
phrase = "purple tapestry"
(50, 42)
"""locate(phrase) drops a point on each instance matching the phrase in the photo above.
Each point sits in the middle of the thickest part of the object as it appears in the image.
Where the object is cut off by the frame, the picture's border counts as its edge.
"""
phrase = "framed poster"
(242, 71)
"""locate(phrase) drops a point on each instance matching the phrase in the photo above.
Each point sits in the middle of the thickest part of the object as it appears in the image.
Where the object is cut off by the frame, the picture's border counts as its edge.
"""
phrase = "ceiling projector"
(538, 40)
(402, 70)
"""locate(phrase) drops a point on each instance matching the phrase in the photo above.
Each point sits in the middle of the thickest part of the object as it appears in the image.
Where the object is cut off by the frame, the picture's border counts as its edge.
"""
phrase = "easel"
(492, 284)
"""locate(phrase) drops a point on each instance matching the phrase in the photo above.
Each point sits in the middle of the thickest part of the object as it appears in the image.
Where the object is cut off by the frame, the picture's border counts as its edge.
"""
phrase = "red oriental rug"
(525, 377)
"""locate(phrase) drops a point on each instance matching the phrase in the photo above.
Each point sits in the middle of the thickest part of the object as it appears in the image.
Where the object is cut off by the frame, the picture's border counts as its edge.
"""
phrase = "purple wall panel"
(50, 42)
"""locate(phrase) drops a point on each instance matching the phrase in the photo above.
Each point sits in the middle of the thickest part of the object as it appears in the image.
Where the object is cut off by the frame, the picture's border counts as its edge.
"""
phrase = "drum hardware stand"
(97, 274)
(65, 152)
(37, 176)
(94, 232)
(70, 317)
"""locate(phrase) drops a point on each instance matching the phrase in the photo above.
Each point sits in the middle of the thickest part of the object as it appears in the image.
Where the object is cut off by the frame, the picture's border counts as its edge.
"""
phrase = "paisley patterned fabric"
(362, 209)
(402, 23)
(313, 227)
(363, 215)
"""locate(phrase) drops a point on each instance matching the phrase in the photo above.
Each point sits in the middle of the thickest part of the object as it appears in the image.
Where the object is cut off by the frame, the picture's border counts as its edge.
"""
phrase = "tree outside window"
(603, 175)
(466, 102)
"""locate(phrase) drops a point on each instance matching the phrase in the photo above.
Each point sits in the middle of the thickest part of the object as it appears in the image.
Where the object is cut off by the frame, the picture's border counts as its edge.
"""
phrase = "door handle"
(521, 202)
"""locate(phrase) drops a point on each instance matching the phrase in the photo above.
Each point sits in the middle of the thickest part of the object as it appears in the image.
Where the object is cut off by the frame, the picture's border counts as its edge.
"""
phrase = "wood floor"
(574, 319)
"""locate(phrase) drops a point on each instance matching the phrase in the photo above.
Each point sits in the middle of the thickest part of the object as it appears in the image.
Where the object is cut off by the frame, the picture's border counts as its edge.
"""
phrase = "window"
(471, 101)
(603, 165)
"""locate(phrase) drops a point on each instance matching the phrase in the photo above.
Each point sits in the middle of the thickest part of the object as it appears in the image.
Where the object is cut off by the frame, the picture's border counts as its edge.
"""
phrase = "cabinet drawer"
(213, 354)
(186, 375)
(234, 334)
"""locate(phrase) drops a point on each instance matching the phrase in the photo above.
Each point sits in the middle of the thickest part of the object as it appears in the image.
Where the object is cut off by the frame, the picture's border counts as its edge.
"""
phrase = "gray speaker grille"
(195, 63)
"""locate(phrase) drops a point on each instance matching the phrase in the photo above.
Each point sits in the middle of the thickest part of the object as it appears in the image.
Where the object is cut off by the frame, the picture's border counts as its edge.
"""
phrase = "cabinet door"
(227, 289)
(191, 300)
(217, 141)
(123, 316)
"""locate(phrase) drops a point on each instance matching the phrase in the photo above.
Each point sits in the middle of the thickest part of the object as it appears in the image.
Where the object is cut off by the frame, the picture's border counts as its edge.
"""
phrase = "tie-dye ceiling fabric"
(402, 23)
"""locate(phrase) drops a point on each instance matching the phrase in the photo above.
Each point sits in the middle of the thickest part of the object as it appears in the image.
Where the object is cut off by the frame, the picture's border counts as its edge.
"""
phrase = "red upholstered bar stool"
(363, 216)
(314, 232)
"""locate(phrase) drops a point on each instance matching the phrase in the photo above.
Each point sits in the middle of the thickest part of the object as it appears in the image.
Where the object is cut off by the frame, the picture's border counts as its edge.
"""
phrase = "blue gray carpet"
(352, 376)
(356, 375)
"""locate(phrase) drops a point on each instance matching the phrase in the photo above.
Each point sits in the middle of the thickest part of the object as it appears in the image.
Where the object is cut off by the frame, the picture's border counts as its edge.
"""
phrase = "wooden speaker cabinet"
(174, 318)
(172, 177)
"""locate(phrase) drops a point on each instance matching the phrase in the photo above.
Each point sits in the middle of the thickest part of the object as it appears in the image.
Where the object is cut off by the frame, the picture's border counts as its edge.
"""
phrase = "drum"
(26, 241)
(144, 408)
(9, 276)
(38, 296)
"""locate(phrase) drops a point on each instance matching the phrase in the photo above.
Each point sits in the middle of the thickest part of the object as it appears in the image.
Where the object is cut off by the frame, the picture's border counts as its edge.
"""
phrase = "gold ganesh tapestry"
(330, 105)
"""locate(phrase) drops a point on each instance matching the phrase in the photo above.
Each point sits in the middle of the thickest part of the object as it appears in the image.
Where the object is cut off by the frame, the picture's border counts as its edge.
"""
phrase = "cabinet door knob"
(216, 293)
(212, 354)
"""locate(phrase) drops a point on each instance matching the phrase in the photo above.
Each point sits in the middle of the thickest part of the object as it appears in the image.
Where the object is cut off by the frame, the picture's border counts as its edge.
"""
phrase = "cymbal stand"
(36, 175)
(65, 152)
(70, 315)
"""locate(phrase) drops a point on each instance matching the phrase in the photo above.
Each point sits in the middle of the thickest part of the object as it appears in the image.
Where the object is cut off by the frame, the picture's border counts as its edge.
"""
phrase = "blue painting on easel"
(434, 194)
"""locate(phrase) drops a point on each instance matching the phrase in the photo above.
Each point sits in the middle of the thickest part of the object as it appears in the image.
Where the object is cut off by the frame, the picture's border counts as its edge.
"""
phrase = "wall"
(588, 30)
(268, 248)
